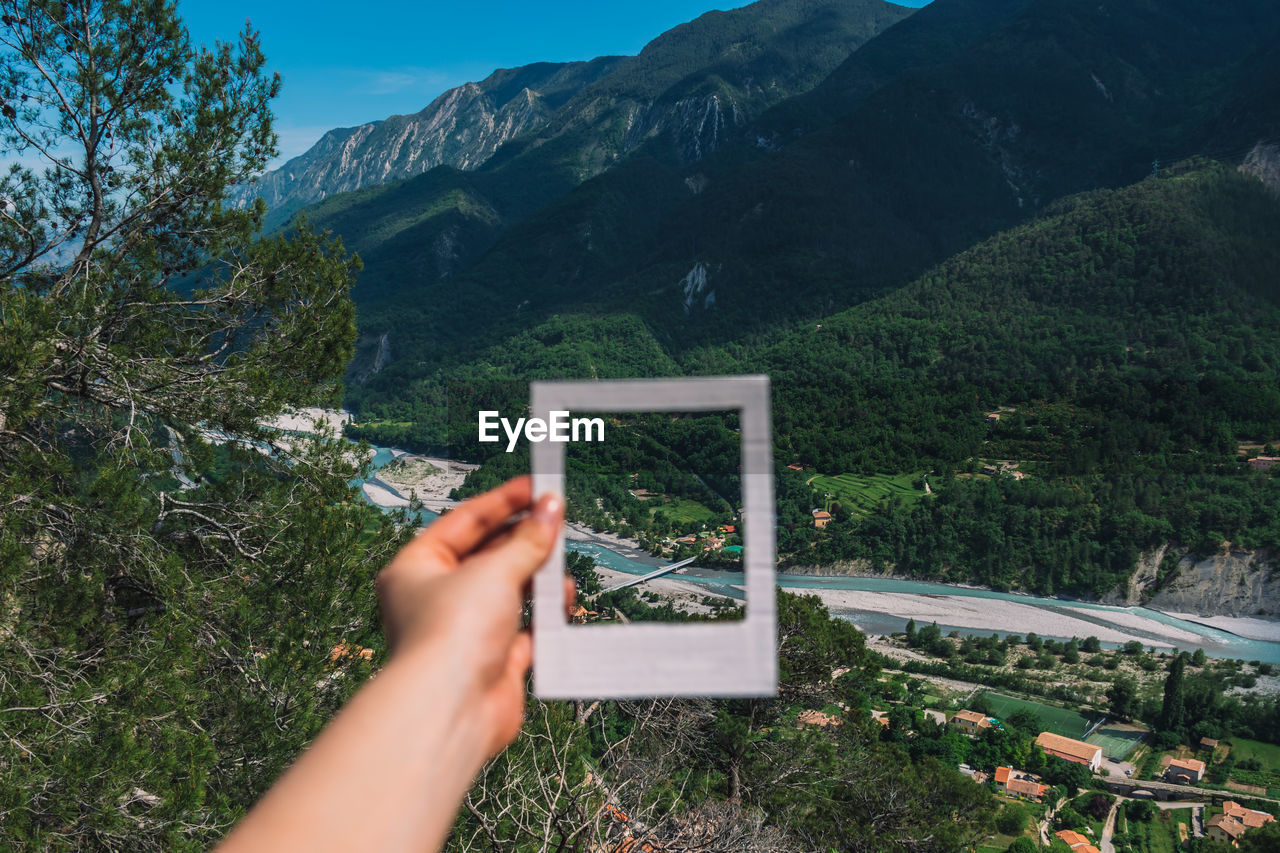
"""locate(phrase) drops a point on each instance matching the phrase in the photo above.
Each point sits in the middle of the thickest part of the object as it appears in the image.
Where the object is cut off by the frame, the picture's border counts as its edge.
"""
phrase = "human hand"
(457, 591)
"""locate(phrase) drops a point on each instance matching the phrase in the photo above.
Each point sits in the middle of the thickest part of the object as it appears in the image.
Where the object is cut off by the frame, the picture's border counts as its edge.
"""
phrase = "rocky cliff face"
(461, 128)
(694, 87)
(1263, 162)
(1234, 582)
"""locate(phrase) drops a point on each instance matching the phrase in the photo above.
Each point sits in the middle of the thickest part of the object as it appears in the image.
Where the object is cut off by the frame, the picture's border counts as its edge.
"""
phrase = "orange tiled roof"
(1019, 783)
(1077, 842)
(1233, 827)
(1248, 817)
(1076, 749)
(970, 716)
(1027, 788)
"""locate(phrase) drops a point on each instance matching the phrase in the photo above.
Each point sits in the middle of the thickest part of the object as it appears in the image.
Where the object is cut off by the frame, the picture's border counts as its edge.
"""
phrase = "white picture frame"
(650, 659)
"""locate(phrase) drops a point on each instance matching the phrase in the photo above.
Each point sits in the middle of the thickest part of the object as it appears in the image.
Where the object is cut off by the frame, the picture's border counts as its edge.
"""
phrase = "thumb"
(529, 544)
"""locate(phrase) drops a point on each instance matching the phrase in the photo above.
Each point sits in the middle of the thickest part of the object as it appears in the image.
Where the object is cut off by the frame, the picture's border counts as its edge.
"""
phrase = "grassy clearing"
(1267, 753)
(862, 493)
(1265, 779)
(684, 511)
(1057, 720)
(1163, 835)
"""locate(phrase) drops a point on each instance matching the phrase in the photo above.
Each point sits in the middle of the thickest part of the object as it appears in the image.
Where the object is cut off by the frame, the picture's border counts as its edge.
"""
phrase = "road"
(1109, 829)
(1048, 816)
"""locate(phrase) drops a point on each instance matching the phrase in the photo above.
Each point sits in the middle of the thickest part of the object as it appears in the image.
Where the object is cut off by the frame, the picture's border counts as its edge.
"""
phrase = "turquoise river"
(1215, 642)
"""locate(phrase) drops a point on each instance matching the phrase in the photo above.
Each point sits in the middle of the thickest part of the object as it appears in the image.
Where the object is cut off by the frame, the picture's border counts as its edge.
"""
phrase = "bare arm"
(392, 768)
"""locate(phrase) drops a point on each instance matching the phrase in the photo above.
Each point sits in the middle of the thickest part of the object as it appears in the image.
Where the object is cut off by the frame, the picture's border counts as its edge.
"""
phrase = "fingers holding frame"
(456, 534)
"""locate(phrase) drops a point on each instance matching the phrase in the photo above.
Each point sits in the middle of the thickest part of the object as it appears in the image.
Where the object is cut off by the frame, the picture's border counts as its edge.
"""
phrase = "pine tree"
(169, 606)
(1172, 711)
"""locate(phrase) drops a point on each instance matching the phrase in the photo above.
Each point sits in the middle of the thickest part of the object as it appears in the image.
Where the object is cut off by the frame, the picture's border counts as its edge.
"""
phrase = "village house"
(821, 518)
(1004, 467)
(578, 615)
(1077, 842)
(1071, 750)
(1234, 821)
(794, 467)
(970, 722)
(1183, 771)
(1263, 463)
(1019, 783)
(1208, 743)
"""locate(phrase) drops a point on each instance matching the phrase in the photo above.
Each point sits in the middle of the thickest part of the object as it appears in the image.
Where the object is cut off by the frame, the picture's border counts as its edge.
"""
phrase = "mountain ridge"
(936, 159)
(683, 96)
(461, 128)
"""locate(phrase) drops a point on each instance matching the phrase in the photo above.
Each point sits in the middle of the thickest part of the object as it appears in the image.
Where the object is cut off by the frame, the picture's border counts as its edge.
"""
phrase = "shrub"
(1140, 810)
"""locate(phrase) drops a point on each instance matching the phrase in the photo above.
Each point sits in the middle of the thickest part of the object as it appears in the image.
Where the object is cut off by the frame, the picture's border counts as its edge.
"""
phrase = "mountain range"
(722, 201)
(878, 148)
(691, 87)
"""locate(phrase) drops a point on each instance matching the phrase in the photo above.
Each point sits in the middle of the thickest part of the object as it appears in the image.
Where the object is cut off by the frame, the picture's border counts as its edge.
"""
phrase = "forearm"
(387, 774)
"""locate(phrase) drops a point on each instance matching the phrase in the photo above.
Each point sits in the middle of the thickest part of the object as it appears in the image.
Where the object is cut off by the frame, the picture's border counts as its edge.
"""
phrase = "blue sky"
(346, 63)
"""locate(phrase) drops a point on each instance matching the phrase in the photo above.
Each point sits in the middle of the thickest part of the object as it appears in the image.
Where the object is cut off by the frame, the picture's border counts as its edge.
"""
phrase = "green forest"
(1130, 337)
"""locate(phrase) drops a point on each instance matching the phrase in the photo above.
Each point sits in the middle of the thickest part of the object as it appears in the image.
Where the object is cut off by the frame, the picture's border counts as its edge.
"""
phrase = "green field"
(862, 493)
(684, 511)
(1115, 741)
(1268, 754)
(1161, 834)
(1057, 720)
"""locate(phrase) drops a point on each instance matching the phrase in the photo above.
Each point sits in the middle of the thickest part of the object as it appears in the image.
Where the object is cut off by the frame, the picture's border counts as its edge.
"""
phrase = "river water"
(1214, 641)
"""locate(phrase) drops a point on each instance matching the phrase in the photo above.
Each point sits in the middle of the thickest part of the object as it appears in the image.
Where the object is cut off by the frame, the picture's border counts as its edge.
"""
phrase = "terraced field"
(862, 493)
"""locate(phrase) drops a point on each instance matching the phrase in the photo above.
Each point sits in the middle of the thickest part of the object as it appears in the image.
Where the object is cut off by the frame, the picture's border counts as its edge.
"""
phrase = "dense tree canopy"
(1129, 338)
(171, 604)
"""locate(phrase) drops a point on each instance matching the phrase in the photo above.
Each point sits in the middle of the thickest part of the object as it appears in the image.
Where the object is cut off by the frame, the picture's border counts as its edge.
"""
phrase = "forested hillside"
(958, 122)
(688, 93)
(1132, 338)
